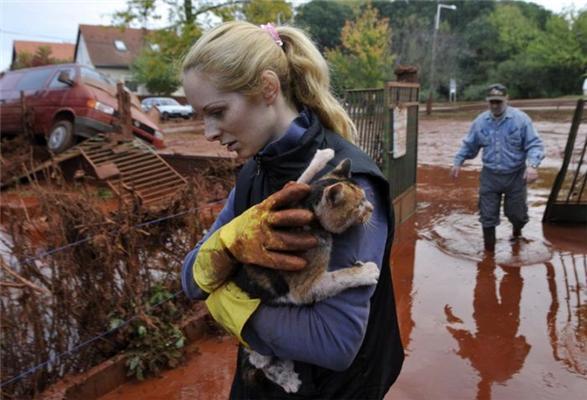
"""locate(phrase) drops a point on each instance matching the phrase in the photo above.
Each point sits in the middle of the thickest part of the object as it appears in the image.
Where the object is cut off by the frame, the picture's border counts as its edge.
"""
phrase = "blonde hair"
(233, 56)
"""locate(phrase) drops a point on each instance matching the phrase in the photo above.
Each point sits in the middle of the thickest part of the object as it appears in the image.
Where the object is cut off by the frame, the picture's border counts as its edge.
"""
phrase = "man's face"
(497, 107)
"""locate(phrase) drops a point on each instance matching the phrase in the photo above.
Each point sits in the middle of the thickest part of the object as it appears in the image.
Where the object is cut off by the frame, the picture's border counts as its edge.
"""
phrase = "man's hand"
(530, 175)
(454, 172)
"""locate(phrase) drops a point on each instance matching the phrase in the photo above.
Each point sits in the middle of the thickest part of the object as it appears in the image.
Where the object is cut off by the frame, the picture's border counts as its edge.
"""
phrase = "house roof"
(61, 51)
(100, 42)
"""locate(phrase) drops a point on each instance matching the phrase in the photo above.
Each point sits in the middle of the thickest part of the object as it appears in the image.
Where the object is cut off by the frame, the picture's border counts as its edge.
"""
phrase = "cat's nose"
(369, 206)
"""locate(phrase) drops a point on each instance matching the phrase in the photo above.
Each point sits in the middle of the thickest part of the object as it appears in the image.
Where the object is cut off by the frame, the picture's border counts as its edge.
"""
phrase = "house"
(61, 51)
(111, 50)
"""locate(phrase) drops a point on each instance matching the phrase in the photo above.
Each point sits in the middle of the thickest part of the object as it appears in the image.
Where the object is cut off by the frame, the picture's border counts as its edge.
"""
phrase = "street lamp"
(436, 26)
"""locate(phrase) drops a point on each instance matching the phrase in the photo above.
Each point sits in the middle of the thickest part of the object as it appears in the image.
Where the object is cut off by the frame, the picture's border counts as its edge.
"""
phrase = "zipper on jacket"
(258, 161)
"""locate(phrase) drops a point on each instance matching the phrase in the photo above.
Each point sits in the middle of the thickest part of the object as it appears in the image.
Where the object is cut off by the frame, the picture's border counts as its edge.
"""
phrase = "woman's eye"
(216, 114)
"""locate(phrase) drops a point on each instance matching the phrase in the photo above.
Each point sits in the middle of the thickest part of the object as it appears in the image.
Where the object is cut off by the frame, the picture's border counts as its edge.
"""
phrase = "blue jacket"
(305, 333)
(507, 142)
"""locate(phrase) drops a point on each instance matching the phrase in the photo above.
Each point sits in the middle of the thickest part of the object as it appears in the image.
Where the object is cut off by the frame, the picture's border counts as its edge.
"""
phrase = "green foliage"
(140, 11)
(155, 341)
(364, 60)
(324, 20)
(157, 66)
(264, 11)
(514, 30)
(41, 57)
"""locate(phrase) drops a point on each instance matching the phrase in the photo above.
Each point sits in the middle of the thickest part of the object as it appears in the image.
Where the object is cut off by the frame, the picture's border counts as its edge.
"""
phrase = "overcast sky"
(58, 20)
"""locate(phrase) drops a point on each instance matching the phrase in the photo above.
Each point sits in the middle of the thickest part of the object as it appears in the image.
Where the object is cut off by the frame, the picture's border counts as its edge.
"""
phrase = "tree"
(157, 66)
(264, 11)
(324, 20)
(41, 57)
(364, 59)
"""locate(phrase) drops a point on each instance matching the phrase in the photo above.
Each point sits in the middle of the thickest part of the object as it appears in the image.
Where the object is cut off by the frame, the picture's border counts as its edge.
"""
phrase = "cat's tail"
(319, 161)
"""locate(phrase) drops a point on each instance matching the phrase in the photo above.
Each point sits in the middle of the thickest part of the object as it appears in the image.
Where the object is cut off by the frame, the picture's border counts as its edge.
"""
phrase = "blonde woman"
(264, 93)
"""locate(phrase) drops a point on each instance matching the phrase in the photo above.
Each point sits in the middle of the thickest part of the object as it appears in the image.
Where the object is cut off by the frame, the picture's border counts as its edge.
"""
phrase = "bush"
(475, 92)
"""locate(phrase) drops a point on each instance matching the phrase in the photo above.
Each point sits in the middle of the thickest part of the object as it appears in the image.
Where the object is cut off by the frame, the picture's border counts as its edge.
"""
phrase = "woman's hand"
(258, 236)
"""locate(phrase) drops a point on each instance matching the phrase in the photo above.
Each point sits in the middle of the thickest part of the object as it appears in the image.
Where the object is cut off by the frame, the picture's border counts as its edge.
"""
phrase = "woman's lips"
(231, 146)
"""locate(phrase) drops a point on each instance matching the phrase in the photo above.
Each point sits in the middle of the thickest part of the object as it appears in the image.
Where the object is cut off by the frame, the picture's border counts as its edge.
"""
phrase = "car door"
(50, 99)
(31, 84)
(10, 108)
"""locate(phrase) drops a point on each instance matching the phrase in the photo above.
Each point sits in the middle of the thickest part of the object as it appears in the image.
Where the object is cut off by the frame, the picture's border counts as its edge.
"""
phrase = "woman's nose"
(211, 131)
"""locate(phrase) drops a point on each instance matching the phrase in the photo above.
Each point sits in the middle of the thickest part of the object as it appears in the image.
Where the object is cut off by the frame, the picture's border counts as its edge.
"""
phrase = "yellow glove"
(231, 308)
(257, 237)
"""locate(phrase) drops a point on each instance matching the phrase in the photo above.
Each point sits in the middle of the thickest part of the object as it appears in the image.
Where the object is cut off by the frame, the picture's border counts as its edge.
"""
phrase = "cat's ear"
(343, 170)
(334, 194)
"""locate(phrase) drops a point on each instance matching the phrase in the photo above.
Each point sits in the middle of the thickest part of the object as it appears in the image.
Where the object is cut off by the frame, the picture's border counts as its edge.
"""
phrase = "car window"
(34, 80)
(93, 75)
(55, 84)
(9, 81)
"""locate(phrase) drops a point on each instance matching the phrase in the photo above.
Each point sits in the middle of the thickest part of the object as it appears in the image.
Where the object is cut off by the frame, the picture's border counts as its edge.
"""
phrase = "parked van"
(68, 102)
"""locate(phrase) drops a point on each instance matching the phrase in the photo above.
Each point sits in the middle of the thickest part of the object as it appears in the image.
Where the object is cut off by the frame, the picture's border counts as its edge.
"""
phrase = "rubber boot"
(489, 239)
(516, 232)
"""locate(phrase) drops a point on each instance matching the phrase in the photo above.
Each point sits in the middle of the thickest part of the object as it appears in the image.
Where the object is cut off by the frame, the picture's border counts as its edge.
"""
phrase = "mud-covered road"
(512, 326)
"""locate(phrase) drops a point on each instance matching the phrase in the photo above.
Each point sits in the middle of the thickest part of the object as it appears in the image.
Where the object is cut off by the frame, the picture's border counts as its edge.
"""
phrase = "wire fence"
(109, 269)
(124, 323)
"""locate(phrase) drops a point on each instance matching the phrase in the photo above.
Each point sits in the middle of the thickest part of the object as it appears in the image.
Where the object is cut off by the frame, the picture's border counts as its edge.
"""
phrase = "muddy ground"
(508, 327)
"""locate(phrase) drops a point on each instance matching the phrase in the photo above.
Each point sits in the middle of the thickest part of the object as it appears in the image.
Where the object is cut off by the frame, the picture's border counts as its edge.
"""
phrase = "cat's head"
(342, 203)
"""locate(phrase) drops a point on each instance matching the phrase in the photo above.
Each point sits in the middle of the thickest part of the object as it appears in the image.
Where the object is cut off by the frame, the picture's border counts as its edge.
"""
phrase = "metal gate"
(387, 125)
(568, 198)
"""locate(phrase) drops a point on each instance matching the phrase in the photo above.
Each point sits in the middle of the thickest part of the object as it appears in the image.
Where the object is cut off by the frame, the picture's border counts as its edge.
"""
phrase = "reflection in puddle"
(494, 349)
(511, 326)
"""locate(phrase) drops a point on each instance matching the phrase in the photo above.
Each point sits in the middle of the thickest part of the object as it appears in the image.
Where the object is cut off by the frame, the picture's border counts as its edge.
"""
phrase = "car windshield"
(168, 102)
(89, 75)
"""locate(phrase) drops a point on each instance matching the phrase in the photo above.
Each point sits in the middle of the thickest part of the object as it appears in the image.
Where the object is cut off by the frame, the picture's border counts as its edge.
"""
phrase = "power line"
(34, 35)
(142, 224)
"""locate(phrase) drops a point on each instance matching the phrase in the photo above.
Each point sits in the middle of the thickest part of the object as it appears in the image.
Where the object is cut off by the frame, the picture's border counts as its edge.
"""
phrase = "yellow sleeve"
(231, 307)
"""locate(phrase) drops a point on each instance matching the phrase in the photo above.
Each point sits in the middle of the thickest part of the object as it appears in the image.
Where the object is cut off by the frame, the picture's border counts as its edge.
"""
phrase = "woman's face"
(242, 124)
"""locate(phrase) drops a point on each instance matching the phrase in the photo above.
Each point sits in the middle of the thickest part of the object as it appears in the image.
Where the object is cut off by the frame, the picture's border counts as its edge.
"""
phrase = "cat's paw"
(293, 383)
(369, 273)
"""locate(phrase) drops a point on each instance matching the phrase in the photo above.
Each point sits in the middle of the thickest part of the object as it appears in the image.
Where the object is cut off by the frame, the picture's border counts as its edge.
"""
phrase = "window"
(55, 84)
(120, 46)
(34, 80)
(9, 81)
(94, 76)
(132, 85)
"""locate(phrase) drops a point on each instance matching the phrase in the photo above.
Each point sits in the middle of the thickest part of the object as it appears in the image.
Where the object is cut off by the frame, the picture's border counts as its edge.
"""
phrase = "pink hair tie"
(269, 28)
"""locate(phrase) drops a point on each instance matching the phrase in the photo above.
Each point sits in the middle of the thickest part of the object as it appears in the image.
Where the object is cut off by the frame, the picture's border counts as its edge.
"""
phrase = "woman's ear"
(270, 86)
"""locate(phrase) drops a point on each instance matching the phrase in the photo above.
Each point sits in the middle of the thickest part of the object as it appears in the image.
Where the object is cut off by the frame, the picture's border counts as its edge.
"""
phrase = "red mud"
(511, 327)
(210, 362)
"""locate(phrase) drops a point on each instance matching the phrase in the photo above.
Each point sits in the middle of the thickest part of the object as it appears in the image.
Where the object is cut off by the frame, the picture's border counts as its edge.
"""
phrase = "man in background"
(512, 152)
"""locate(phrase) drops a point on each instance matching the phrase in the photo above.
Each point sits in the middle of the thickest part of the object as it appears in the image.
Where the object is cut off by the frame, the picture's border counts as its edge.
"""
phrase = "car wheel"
(61, 137)
(165, 116)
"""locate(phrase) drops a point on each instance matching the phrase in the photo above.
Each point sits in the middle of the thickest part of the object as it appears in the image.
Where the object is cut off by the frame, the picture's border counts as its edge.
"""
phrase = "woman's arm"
(188, 283)
(328, 333)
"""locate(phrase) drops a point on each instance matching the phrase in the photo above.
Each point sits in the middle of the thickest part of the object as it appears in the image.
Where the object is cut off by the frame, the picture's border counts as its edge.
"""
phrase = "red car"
(68, 102)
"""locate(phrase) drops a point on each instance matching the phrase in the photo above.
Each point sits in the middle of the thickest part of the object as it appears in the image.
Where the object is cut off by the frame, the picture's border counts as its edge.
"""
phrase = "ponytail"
(310, 82)
(233, 56)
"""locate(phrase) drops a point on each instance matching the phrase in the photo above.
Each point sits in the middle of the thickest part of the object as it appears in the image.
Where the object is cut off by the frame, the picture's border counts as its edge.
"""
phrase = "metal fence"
(387, 125)
(568, 198)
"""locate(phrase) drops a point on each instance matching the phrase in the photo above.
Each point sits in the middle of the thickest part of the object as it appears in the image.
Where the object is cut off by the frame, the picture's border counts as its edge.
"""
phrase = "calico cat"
(338, 204)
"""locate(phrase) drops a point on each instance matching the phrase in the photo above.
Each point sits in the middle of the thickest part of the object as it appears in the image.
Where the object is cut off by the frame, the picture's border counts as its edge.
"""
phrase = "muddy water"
(474, 327)
(206, 376)
(512, 326)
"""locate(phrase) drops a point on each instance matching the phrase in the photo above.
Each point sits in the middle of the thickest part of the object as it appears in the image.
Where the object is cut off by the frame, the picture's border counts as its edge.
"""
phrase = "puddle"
(506, 327)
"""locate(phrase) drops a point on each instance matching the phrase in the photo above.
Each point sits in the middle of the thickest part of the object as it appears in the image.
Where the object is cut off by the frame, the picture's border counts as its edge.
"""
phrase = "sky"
(58, 20)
